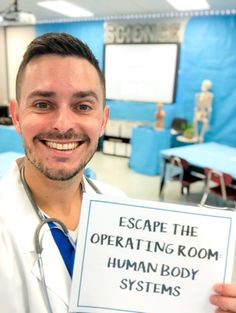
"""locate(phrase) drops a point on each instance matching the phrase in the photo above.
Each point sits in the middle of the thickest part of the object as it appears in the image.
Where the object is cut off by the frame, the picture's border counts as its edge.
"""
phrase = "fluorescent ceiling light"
(188, 5)
(65, 8)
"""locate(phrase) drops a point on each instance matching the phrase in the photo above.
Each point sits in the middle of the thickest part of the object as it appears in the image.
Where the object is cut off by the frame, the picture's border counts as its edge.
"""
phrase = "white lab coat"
(20, 287)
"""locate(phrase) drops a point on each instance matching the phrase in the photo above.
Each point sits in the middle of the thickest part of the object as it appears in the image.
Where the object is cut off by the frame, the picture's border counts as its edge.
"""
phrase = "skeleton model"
(203, 108)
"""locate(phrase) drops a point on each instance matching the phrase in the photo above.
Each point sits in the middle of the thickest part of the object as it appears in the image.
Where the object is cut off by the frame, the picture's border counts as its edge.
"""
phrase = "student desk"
(211, 155)
(146, 144)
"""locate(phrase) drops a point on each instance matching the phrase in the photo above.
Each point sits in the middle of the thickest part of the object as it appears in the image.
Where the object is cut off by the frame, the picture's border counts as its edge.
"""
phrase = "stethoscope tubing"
(38, 245)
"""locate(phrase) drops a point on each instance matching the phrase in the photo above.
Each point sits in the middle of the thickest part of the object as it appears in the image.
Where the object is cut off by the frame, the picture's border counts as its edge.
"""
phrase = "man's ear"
(106, 114)
(14, 113)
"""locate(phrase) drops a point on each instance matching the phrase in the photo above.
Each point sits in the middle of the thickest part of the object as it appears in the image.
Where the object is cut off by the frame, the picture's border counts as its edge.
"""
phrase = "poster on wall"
(141, 72)
(142, 256)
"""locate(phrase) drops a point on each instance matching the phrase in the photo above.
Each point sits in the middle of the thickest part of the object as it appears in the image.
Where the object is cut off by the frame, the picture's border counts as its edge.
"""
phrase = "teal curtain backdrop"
(208, 51)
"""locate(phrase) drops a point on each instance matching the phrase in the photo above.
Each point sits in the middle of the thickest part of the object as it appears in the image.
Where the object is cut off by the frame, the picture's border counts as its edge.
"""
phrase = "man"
(60, 112)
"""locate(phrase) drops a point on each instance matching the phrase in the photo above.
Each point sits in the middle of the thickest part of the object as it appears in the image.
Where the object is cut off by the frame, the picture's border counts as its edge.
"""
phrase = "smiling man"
(60, 113)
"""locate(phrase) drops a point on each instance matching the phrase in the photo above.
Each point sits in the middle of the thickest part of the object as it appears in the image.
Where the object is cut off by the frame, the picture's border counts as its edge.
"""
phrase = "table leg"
(163, 176)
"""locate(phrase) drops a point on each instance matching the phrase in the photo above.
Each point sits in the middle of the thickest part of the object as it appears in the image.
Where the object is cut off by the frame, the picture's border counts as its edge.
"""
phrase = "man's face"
(60, 114)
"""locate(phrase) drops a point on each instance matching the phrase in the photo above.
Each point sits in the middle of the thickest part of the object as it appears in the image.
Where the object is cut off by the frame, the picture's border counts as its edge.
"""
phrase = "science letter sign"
(150, 257)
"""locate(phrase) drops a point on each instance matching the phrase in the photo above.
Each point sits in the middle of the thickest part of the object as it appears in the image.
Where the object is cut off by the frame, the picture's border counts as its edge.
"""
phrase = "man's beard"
(59, 174)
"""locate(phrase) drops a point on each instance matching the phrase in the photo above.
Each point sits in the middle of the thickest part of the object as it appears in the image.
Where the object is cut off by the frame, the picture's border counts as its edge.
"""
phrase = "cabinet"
(117, 137)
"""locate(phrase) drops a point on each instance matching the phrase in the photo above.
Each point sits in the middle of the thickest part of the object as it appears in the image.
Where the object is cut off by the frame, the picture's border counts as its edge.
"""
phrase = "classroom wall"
(17, 39)
(89, 32)
(208, 51)
(3, 69)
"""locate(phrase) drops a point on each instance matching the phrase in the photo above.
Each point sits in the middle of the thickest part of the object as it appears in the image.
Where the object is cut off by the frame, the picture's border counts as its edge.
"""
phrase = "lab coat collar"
(23, 219)
(20, 215)
(89, 186)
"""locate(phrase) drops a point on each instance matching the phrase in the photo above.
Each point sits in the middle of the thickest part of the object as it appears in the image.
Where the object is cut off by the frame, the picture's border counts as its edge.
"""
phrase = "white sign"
(148, 257)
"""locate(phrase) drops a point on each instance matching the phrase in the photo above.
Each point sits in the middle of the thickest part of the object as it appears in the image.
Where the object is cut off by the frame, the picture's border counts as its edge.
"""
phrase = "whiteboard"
(141, 72)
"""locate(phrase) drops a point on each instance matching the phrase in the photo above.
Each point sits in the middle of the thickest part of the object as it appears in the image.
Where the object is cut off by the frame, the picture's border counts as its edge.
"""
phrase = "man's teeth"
(62, 146)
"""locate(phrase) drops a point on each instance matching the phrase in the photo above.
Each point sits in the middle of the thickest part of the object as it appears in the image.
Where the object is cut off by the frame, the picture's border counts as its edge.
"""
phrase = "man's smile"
(62, 146)
(62, 142)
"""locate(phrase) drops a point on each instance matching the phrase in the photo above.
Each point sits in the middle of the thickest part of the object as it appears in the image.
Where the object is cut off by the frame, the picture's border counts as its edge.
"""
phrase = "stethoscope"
(45, 220)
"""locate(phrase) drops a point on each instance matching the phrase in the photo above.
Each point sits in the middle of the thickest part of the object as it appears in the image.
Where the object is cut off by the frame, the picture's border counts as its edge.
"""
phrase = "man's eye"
(84, 107)
(42, 105)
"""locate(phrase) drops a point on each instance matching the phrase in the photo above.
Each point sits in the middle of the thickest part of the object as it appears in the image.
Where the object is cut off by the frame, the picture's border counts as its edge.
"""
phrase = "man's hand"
(224, 298)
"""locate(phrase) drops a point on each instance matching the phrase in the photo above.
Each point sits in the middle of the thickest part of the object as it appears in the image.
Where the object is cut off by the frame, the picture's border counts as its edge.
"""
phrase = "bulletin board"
(141, 72)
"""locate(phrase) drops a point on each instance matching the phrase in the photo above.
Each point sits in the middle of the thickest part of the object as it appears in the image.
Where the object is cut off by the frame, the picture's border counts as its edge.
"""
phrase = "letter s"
(139, 285)
(176, 291)
(123, 284)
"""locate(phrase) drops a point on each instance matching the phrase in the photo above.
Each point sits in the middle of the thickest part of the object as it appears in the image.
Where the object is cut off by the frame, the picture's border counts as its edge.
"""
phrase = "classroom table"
(206, 155)
(6, 159)
(146, 144)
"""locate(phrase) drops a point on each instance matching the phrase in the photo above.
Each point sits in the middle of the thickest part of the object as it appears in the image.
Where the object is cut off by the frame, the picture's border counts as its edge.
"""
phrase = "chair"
(222, 186)
(186, 175)
(177, 125)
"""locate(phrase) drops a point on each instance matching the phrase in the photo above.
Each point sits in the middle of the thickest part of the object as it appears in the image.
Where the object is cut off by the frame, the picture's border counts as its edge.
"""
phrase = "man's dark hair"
(62, 44)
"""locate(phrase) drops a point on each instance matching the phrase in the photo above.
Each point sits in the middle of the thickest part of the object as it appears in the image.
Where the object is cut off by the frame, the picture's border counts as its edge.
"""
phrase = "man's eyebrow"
(84, 94)
(41, 93)
(48, 94)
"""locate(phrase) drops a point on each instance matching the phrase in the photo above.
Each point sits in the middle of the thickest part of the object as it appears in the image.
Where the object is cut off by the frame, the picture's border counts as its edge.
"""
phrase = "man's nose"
(64, 119)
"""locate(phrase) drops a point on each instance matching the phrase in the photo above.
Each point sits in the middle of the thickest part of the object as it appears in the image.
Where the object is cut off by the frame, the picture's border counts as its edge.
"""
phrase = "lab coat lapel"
(22, 217)
(56, 275)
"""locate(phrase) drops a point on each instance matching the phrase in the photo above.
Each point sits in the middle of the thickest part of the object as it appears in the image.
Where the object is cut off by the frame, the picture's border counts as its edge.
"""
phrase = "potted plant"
(188, 131)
